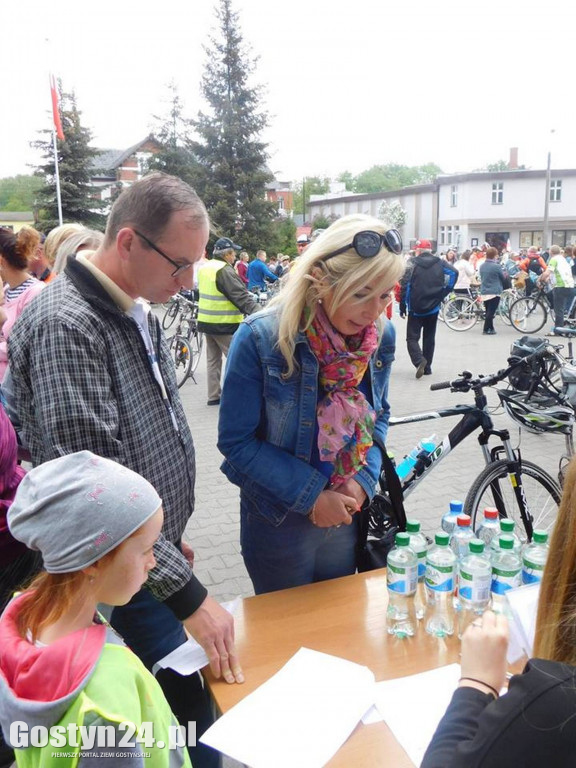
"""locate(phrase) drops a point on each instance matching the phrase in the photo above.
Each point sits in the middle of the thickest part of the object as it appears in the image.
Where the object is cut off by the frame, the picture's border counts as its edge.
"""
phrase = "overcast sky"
(348, 85)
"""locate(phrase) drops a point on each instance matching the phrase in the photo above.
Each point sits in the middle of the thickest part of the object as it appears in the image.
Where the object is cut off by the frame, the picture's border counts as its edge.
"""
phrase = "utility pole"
(545, 229)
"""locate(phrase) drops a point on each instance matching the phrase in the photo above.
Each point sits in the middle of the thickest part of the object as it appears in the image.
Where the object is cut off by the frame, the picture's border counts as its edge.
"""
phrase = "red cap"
(491, 513)
(463, 520)
(422, 245)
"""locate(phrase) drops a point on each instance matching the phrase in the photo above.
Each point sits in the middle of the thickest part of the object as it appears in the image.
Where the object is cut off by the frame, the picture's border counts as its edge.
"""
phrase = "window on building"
(280, 202)
(449, 235)
(530, 238)
(454, 195)
(497, 193)
(556, 191)
(559, 237)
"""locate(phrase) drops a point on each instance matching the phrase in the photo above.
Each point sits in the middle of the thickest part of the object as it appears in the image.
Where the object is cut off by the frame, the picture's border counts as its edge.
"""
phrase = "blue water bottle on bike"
(418, 453)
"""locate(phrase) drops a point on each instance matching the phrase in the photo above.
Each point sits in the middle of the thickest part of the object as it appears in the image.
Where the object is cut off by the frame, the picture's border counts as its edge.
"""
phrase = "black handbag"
(381, 519)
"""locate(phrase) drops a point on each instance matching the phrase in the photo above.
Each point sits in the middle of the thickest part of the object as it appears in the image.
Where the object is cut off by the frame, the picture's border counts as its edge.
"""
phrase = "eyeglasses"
(179, 267)
(368, 244)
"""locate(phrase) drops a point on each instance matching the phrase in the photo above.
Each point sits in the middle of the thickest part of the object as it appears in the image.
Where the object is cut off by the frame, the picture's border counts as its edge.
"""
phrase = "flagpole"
(57, 176)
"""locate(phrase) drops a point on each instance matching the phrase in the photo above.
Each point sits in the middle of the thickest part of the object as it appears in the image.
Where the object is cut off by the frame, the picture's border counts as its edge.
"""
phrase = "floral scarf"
(345, 418)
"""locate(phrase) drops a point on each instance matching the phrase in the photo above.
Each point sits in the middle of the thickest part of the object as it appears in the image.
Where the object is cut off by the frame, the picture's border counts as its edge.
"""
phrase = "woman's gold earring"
(319, 301)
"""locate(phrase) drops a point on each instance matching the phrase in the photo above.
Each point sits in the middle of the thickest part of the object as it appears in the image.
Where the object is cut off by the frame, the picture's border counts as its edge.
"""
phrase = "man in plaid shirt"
(91, 370)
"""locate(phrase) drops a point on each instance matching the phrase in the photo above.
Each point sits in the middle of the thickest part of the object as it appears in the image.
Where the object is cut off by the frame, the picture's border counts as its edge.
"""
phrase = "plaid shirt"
(82, 380)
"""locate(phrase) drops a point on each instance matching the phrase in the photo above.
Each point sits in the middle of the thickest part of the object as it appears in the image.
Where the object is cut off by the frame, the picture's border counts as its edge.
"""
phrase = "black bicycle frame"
(473, 417)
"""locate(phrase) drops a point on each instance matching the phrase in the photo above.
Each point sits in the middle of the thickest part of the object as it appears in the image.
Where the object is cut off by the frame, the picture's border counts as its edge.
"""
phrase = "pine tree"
(80, 202)
(172, 132)
(229, 149)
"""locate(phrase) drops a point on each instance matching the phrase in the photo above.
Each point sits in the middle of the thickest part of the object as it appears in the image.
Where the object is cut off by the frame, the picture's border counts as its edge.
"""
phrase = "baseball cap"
(302, 239)
(224, 244)
(422, 245)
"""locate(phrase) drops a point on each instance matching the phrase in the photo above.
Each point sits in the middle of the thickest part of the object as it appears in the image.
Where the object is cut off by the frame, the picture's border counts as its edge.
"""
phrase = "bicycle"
(530, 313)
(463, 312)
(186, 344)
(518, 488)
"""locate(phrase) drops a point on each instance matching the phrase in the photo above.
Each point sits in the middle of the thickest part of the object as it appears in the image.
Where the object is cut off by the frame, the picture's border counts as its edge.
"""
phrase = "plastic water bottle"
(462, 536)
(419, 452)
(402, 578)
(507, 529)
(440, 582)
(474, 582)
(489, 527)
(506, 573)
(419, 544)
(449, 519)
(534, 558)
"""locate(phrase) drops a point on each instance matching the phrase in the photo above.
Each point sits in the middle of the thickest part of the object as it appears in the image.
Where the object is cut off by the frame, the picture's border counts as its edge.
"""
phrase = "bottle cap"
(463, 521)
(491, 513)
(456, 506)
(402, 540)
(540, 537)
(413, 526)
(507, 525)
(506, 542)
(442, 539)
(476, 546)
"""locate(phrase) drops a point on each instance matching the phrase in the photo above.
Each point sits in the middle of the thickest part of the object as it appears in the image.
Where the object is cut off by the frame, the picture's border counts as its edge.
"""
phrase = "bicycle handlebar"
(465, 382)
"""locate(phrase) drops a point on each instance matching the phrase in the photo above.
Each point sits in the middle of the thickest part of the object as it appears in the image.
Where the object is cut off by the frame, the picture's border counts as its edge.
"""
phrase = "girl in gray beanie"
(95, 523)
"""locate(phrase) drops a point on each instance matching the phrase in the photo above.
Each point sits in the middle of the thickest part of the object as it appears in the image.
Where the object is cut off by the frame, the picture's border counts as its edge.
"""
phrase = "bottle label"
(440, 578)
(532, 572)
(474, 587)
(421, 564)
(402, 579)
(503, 580)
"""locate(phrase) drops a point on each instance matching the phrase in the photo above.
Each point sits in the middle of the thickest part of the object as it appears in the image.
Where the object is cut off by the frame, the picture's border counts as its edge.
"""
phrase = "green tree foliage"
(382, 178)
(75, 162)
(18, 193)
(283, 237)
(172, 131)
(310, 185)
(231, 155)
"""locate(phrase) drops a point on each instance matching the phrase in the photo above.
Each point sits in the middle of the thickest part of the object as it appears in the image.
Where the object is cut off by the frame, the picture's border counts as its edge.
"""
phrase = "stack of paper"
(523, 603)
(300, 717)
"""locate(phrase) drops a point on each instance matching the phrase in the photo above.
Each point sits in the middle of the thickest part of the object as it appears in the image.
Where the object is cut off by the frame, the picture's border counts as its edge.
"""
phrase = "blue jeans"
(151, 631)
(295, 552)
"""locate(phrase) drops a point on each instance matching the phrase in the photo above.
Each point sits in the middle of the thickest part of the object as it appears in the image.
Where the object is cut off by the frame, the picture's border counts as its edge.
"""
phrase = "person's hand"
(353, 488)
(188, 553)
(213, 627)
(334, 508)
(484, 646)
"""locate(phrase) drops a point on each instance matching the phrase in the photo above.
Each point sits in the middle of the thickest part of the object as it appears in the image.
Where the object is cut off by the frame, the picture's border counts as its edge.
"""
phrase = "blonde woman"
(304, 394)
(533, 724)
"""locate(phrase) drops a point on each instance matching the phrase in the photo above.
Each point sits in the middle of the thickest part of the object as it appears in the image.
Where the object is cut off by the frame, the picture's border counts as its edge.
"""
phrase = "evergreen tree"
(76, 165)
(172, 132)
(231, 154)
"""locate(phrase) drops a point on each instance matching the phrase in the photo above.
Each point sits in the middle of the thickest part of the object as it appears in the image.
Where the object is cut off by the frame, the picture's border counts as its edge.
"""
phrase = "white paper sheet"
(413, 706)
(523, 603)
(298, 718)
(190, 656)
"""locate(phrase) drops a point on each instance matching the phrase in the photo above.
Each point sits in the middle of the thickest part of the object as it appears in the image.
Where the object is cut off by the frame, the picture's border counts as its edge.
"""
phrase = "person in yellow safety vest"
(224, 300)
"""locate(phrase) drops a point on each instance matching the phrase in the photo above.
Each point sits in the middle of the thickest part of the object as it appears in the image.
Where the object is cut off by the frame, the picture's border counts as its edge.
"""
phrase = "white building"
(469, 209)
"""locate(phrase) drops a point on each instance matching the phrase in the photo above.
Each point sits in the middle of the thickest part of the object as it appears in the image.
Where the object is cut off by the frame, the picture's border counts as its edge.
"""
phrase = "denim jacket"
(267, 422)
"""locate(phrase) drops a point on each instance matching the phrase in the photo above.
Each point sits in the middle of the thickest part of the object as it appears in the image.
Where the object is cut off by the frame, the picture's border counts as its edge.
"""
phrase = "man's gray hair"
(149, 203)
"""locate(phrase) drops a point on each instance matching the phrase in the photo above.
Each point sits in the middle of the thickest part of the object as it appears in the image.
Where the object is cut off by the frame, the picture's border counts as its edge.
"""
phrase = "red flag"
(56, 109)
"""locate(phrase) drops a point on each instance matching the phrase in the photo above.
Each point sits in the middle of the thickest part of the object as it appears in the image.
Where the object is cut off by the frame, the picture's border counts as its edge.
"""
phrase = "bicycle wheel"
(181, 357)
(503, 311)
(460, 313)
(170, 315)
(493, 488)
(196, 339)
(528, 314)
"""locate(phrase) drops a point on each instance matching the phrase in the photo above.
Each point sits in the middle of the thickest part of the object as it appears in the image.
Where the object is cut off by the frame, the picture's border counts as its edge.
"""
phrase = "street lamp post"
(545, 234)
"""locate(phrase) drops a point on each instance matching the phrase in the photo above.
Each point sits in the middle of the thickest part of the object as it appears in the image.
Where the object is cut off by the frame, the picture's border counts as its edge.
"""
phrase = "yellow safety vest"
(213, 306)
(120, 690)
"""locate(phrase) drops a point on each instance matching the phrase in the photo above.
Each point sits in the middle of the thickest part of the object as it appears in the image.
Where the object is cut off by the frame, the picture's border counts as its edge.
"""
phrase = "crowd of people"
(90, 398)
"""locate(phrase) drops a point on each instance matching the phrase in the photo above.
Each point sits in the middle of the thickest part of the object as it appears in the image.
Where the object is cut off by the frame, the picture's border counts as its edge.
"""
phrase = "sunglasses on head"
(368, 244)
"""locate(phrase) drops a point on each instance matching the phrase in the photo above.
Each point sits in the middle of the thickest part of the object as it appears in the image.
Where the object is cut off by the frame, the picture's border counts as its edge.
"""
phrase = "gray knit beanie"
(77, 508)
